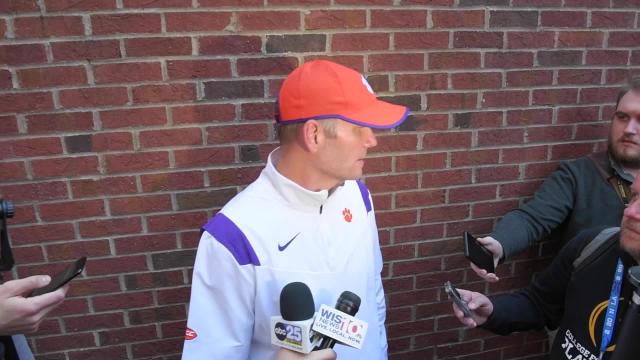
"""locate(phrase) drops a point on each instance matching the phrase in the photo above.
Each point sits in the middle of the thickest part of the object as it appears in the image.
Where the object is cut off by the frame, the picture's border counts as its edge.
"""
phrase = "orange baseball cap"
(322, 89)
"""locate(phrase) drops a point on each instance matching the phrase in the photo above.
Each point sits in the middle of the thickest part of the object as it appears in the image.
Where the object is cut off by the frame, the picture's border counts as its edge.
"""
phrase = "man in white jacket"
(306, 218)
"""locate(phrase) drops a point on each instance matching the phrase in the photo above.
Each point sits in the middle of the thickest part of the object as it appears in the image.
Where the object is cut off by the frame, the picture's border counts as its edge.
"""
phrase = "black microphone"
(627, 344)
(348, 303)
(292, 330)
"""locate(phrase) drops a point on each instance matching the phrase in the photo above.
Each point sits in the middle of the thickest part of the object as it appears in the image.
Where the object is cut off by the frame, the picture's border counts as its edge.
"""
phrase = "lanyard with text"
(612, 308)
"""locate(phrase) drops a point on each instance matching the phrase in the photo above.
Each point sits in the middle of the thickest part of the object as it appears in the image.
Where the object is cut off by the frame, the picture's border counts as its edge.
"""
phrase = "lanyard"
(612, 308)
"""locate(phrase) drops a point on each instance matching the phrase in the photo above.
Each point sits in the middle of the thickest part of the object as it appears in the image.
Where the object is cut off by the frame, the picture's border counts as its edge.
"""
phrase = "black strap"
(619, 185)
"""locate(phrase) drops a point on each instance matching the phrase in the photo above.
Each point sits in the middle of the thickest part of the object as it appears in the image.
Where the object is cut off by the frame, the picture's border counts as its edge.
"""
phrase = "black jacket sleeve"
(542, 302)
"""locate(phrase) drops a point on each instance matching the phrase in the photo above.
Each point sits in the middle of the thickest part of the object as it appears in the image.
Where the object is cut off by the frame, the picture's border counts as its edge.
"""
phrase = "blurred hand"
(495, 248)
(326, 354)
(20, 315)
(481, 308)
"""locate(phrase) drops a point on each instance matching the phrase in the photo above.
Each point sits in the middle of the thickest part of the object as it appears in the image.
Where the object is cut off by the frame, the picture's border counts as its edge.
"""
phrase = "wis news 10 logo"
(340, 326)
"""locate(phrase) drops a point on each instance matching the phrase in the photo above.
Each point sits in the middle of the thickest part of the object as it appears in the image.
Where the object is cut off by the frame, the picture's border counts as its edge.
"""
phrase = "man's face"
(341, 157)
(630, 228)
(624, 135)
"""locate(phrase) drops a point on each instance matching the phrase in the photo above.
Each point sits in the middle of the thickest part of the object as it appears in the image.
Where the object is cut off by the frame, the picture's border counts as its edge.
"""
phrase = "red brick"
(476, 80)
(335, 19)
(360, 41)
(48, 26)
(127, 72)
(28, 254)
(474, 157)
(158, 46)
(554, 96)
(454, 60)
(269, 20)
(65, 342)
(111, 141)
(257, 111)
(119, 301)
(18, 6)
(195, 114)
(229, 44)
(22, 54)
(94, 322)
(419, 199)
(497, 173)
(8, 125)
(400, 19)
(568, 115)
(524, 154)
(237, 133)
(68, 167)
(420, 162)
(607, 57)
(396, 218)
(579, 76)
(52, 76)
(513, 19)
(457, 18)
(59, 122)
(477, 119)
(549, 134)
(36, 191)
(150, 280)
(85, 50)
(112, 119)
(266, 66)
(530, 40)
(421, 40)
(598, 95)
(164, 93)
(5, 78)
(145, 243)
(156, 349)
(198, 69)
(197, 21)
(104, 186)
(299, 2)
(570, 151)
(421, 82)
(500, 137)
(592, 132)
(111, 227)
(529, 117)
(73, 250)
(92, 97)
(36, 234)
(12, 171)
(507, 60)
(87, 5)
(118, 163)
(377, 165)
(587, 3)
(448, 101)
(234, 176)
(119, 336)
(394, 62)
(204, 156)
(30, 147)
(140, 204)
(450, 140)
(71, 209)
(527, 78)
(563, 19)
(119, 352)
(580, 39)
(125, 23)
(505, 98)
(175, 222)
(23, 102)
(170, 137)
(477, 39)
(611, 19)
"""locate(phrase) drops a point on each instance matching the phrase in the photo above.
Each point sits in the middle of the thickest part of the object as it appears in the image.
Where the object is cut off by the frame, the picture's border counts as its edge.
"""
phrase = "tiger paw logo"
(346, 213)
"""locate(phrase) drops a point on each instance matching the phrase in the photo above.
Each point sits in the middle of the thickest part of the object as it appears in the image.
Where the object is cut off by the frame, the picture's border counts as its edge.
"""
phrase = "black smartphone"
(454, 295)
(477, 254)
(61, 278)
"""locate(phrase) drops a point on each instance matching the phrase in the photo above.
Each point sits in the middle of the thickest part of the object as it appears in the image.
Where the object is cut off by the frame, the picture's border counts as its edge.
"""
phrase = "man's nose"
(633, 126)
(370, 138)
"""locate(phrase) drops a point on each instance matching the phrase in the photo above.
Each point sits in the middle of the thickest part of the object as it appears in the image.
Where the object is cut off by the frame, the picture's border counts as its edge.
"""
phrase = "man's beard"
(626, 161)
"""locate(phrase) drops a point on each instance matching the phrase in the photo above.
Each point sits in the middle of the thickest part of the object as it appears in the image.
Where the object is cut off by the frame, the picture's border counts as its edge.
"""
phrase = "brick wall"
(125, 124)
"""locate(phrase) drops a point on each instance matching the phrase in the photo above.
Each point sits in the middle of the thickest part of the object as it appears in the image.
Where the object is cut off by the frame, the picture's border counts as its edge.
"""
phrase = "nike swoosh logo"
(282, 247)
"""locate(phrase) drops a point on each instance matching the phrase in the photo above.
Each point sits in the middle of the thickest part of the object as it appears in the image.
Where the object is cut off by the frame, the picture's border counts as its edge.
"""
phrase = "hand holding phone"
(61, 278)
(477, 254)
(454, 295)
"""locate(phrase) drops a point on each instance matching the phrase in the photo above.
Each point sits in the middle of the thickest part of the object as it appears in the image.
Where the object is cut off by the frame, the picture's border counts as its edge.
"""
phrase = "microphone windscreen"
(296, 302)
(348, 302)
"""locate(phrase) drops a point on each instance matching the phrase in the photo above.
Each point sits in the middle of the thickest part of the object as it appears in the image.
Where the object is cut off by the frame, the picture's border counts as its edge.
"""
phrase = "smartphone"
(61, 278)
(477, 254)
(454, 295)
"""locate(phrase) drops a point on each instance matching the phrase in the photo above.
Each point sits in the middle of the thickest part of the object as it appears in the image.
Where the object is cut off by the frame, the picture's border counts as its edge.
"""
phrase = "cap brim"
(379, 114)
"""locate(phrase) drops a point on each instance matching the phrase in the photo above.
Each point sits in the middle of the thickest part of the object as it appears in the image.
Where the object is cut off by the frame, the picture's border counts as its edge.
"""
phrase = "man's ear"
(312, 136)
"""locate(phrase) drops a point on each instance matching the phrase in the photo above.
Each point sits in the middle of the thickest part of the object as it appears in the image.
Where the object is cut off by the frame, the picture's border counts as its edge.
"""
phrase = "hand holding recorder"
(484, 254)
(478, 307)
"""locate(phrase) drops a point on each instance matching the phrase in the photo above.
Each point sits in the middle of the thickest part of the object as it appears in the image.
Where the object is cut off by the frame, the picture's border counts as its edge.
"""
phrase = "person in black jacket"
(587, 192)
(572, 297)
